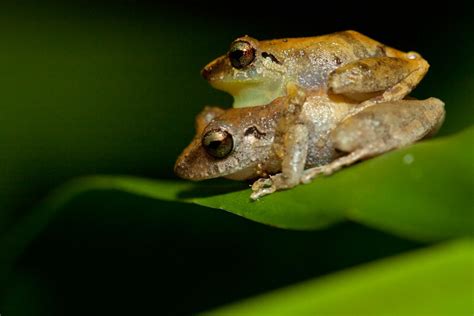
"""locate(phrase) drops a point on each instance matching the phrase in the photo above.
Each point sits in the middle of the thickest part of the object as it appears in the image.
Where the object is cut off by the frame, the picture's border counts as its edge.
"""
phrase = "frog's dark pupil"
(215, 144)
(236, 54)
(237, 58)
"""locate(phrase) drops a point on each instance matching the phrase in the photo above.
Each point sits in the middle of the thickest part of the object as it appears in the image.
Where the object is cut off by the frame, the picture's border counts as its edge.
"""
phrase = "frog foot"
(310, 174)
(262, 187)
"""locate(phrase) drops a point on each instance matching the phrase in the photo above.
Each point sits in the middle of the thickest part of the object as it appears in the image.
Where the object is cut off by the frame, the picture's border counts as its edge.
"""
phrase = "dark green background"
(112, 87)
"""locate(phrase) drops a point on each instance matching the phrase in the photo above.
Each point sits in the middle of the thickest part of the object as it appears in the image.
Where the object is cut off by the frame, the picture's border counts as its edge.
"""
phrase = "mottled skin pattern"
(297, 138)
(344, 63)
(325, 103)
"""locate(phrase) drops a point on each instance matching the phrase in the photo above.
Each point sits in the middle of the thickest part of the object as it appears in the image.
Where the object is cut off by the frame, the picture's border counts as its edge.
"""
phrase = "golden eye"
(218, 143)
(241, 54)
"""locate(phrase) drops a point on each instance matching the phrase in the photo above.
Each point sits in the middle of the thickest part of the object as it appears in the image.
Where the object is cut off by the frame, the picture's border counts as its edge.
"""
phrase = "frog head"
(234, 143)
(251, 71)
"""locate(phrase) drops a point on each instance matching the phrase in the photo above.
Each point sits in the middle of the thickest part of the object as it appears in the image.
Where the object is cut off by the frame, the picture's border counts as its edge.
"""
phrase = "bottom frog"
(297, 138)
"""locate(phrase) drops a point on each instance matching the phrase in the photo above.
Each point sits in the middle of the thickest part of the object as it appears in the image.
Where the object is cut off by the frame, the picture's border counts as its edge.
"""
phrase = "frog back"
(310, 60)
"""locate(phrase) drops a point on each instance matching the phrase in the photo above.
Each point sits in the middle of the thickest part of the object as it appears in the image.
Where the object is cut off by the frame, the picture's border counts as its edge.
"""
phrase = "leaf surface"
(434, 281)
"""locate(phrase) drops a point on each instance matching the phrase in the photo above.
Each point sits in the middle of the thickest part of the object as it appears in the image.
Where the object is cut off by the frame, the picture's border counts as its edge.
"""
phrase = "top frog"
(347, 64)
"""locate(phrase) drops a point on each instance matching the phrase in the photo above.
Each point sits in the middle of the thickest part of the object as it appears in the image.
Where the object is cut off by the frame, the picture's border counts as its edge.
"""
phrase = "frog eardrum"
(241, 54)
(218, 143)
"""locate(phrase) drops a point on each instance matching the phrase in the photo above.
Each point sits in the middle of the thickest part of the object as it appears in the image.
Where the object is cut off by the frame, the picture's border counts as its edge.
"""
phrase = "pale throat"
(255, 97)
(254, 94)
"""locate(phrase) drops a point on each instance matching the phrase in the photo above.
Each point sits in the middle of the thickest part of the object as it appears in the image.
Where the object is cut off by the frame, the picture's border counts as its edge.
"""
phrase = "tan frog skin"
(305, 107)
(299, 137)
(344, 63)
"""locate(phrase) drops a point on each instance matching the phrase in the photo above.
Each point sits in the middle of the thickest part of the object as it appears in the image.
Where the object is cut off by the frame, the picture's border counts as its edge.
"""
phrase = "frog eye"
(241, 54)
(218, 143)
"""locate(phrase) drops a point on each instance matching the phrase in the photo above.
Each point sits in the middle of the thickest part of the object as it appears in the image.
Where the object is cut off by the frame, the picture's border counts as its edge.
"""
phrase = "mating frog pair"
(305, 107)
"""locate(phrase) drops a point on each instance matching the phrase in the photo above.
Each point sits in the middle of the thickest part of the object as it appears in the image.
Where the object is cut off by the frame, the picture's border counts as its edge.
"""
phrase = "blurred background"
(112, 87)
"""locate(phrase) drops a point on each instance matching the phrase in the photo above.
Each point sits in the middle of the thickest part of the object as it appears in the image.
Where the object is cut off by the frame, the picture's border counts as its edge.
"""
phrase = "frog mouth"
(250, 92)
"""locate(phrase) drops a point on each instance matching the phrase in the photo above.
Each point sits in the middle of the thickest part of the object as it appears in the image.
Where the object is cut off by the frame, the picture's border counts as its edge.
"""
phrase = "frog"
(346, 63)
(301, 136)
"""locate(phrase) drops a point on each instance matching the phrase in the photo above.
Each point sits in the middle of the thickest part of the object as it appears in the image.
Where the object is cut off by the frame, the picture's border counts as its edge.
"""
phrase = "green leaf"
(422, 192)
(434, 281)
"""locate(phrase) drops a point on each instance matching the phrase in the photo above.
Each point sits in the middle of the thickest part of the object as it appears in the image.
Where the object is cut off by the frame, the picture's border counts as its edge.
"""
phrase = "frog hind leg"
(379, 129)
(379, 79)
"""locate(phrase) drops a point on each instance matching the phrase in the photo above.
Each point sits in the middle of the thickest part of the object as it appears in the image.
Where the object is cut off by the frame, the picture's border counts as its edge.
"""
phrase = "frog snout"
(206, 72)
(181, 170)
(215, 69)
(191, 164)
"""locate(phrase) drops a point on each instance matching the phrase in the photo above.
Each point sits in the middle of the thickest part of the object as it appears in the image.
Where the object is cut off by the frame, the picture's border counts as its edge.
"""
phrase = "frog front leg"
(290, 147)
(379, 129)
(379, 79)
(295, 150)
